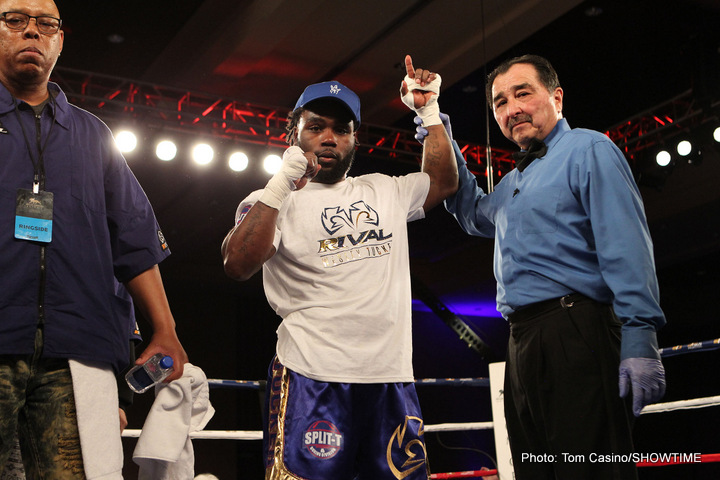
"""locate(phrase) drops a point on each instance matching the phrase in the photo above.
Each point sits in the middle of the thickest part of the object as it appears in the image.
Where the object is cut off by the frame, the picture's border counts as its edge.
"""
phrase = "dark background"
(616, 59)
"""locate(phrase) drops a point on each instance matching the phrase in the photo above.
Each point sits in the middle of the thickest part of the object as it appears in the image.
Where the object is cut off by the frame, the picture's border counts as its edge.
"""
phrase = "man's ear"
(558, 99)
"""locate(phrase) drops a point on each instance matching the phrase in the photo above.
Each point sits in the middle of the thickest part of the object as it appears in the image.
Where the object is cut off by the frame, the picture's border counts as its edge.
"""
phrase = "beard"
(338, 171)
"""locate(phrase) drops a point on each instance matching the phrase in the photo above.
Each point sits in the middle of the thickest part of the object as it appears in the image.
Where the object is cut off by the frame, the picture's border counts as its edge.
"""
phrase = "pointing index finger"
(409, 66)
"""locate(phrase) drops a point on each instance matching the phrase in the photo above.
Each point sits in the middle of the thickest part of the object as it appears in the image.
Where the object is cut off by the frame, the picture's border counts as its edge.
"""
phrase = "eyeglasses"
(19, 21)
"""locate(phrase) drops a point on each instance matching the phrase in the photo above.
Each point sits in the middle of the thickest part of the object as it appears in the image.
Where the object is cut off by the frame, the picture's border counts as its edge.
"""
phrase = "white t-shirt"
(340, 277)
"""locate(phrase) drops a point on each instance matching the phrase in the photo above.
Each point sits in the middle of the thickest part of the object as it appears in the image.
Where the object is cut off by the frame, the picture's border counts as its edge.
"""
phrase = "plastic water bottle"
(155, 370)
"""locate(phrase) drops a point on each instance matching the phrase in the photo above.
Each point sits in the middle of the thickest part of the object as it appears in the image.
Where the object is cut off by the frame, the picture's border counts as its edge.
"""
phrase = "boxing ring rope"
(706, 458)
(453, 382)
(257, 435)
(682, 405)
(695, 403)
(484, 473)
(690, 347)
(465, 474)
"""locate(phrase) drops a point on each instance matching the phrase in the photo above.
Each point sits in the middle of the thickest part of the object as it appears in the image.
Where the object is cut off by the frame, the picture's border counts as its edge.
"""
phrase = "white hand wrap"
(293, 167)
(430, 113)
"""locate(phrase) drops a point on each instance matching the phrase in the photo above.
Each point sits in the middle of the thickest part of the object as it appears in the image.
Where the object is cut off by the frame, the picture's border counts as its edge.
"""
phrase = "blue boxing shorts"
(341, 431)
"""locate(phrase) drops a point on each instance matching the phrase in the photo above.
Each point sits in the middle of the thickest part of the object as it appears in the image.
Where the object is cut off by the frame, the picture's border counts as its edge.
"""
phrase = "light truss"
(116, 99)
(649, 129)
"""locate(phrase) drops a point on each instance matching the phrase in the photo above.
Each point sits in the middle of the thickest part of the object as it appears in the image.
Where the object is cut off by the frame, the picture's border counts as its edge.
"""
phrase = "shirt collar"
(61, 105)
(561, 127)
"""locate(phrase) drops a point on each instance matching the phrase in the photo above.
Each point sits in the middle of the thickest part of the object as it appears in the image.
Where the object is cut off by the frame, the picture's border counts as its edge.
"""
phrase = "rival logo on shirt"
(359, 213)
(359, 242)
(323, 439)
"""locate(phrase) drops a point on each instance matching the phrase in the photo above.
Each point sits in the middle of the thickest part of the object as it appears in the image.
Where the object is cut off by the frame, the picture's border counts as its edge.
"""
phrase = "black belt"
(535, 309)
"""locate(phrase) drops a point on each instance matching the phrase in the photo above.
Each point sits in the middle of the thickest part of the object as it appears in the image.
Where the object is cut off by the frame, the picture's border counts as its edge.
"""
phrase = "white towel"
(96, 402)
(164, 450)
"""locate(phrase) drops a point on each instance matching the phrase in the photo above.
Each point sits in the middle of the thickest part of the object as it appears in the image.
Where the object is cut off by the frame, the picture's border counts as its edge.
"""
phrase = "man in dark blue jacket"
(73, 221)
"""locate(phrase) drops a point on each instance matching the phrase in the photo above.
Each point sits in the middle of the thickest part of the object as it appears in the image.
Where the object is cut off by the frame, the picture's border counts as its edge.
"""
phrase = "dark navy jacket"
(103, 229)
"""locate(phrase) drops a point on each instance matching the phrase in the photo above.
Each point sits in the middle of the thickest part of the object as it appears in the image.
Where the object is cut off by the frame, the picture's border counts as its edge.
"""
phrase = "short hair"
(292, 123)
(545, 71)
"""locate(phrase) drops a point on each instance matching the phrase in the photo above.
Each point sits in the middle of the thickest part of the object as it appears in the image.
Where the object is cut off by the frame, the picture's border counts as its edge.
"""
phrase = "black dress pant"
(564, 415)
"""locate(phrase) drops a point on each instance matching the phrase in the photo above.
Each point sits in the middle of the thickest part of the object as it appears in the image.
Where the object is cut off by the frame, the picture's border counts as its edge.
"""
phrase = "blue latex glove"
(647, 376)
(422, 131)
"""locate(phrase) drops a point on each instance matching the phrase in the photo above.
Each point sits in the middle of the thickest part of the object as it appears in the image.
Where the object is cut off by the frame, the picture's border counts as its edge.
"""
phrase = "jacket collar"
(61, 105)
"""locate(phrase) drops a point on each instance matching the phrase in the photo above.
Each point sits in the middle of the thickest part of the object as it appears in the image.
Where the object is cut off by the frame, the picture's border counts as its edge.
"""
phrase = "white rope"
(454, 427)
(257, 435)
(209, 434)
(683, 405)
(440, 427)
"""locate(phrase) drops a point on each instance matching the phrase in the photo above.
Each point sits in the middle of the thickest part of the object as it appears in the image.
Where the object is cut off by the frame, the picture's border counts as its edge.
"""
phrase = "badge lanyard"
(39, 165)
(34, 208)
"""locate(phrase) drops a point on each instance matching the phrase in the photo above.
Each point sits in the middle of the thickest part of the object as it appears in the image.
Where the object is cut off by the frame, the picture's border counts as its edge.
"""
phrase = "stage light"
(272, 164)
(663, 158)
(238, 161)
(692, 153)
(166, 150)
(202, 154)
(126, 141)
(684, 148)
(716, 134)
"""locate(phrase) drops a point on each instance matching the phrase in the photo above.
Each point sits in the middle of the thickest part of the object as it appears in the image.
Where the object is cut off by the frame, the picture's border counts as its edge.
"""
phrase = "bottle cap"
(166, 362)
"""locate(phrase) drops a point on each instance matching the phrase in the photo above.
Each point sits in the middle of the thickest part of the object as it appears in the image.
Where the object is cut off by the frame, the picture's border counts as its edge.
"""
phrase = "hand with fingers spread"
(420, 91)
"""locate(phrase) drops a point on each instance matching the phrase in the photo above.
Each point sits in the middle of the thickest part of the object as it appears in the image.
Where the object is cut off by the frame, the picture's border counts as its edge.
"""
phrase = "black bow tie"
(536, 149)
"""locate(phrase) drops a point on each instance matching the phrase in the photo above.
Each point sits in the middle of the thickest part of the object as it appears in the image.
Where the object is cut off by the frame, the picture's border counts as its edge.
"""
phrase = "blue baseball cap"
(331, 89)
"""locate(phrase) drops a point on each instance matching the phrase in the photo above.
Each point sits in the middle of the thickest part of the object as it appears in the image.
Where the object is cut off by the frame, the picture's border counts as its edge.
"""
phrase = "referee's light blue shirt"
(572, 221)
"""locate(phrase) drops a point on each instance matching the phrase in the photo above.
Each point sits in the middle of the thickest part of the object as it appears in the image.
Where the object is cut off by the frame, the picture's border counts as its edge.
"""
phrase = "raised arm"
(420, 91)
(439, 162)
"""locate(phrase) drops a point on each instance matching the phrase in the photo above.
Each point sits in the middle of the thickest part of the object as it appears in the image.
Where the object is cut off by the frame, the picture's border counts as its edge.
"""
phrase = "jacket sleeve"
(136, 239)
